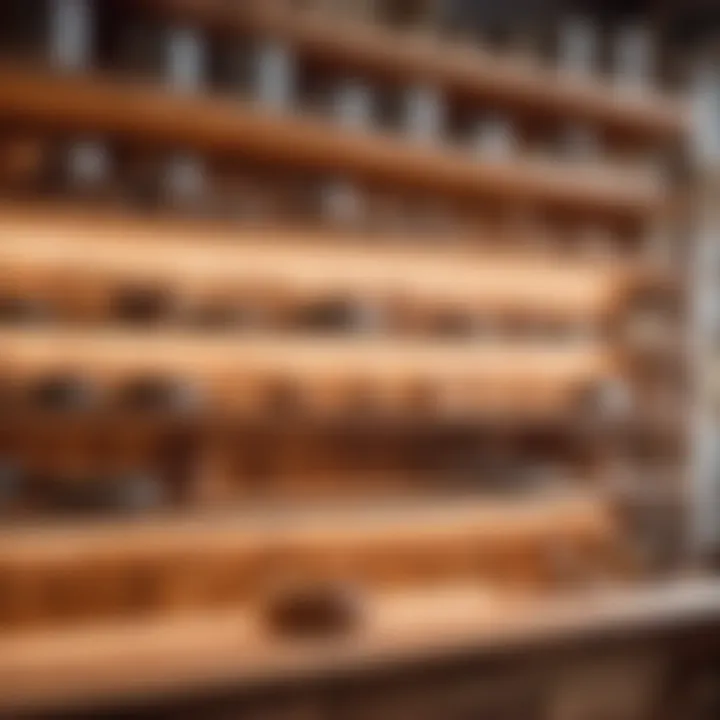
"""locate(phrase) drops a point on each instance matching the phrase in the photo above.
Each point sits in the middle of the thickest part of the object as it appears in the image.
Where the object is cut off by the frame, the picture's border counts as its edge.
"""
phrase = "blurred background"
(358, 359)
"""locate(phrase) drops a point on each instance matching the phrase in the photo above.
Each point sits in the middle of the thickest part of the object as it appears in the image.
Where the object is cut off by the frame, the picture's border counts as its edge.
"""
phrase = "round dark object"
(313, 610)
(141, 305)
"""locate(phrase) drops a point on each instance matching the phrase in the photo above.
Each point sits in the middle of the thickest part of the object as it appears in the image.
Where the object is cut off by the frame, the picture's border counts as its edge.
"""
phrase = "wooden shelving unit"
(376, 393)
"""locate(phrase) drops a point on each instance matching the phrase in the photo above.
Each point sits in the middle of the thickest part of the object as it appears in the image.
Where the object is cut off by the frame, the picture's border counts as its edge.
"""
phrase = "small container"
(63, 392)
(312, 610)
(424, 113)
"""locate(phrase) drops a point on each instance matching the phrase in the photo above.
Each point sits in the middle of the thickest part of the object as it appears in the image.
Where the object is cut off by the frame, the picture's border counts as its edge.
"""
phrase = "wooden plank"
(234, 129)
(57, 255)
(78, 574)
(327, 524)
(249, 372)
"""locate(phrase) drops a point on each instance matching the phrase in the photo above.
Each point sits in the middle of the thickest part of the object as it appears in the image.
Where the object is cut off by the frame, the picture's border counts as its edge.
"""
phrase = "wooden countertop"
(148, 659)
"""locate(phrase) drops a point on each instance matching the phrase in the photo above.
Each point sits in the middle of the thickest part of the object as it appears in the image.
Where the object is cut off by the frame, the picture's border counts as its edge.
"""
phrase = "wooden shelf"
(322, 374)
(228, 127)
(186, 564)
(58, 256)
(358, 48)
(150, 659)
(330, 526)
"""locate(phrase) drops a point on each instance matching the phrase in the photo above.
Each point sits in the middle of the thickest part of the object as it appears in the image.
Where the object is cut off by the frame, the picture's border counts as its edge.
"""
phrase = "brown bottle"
(342, 315)
(142, 305)
(129, 493)
(22, 310)
(157, 394)
(62, 392)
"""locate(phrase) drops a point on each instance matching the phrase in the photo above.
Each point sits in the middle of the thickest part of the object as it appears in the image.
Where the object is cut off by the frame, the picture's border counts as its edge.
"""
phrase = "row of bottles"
(267, 395)
(52, 463)
(275, 75)
(67, 26)
(628, 53)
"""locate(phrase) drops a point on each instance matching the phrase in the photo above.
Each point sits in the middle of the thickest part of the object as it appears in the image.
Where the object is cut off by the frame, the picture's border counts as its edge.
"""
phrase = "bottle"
(62, 392)
(130, 493)
(343, 315)
(141, 305)
(634, 56)
(275, 70)
(495, 137)
(646, 325)
(159, 394)
(15, 309)
(352, 108)
(607, 400)
(135, 492)
(424, 114)
(71, 36)
(577, 56)
(84, 163)
(86, 167)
